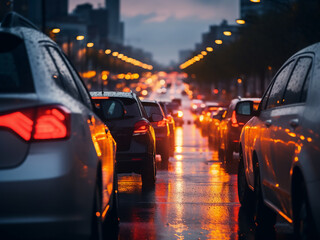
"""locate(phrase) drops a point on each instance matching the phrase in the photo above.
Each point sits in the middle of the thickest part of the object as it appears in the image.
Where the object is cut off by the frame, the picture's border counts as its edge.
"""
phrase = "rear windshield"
(15, 75)
(130, 106)
(152, 108)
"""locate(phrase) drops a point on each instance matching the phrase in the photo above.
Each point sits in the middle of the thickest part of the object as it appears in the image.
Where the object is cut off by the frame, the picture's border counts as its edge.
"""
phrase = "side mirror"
(112, 109)
(245, 108)
(156, 117)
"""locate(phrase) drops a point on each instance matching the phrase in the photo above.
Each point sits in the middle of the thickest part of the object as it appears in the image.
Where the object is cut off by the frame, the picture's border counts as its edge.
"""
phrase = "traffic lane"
(194, 197)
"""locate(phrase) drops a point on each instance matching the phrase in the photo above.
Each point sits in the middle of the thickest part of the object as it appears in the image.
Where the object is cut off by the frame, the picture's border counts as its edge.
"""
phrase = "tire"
(96, 222)
(246, 196)
(149, 173)
(303, 223)
(264, 217)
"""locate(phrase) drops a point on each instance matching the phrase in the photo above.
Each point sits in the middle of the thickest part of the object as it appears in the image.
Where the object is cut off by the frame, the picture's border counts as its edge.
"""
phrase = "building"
(116, 27)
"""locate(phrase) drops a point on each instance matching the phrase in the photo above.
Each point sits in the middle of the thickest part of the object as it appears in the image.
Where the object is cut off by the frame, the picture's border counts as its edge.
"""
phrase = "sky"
(163, 27)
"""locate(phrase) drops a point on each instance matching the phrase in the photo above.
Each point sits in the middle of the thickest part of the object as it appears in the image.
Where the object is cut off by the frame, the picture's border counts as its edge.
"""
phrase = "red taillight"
(140, 128)
(234, 121)
(162, 123)
(39, 123)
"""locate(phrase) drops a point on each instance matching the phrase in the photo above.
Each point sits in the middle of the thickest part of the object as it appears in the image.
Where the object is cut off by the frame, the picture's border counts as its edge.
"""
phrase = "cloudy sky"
(164, 27)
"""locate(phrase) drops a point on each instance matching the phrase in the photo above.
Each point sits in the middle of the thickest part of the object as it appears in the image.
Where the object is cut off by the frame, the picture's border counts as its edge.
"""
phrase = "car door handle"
(294, 122)
(268, 122)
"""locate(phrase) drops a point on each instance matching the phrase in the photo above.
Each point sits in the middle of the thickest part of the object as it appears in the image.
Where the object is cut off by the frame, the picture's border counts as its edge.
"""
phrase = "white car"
(279, 167)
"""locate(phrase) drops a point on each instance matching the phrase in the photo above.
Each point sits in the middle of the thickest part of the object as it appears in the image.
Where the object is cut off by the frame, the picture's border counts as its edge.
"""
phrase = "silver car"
(57, 162)
(279, 166)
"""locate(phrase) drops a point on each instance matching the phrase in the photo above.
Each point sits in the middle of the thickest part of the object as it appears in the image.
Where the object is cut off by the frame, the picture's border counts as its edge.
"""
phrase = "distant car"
(128, 122)
(205, 116)
(214, 127)
(172, 126)
(161, 128)
(197, 106)
(176, 112)
(231, 126)
(177, 101)
(279, 168)
(57, 165)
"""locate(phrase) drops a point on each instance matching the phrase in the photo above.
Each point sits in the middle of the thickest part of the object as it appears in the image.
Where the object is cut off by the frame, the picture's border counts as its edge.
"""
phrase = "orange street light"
(239, 80)
(255, 1)
(107, 51)
(209, 49)
(90, 44)
(115, 54)
(227, 33)
(240, 21)
(218, 41)
(204, 53)
(56, 30)
(80, 38)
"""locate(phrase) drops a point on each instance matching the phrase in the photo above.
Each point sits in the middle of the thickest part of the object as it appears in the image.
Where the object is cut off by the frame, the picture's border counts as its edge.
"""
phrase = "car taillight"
(162, 123)
(170, 119)
(39, 123)
(140, 128)
(234, 121)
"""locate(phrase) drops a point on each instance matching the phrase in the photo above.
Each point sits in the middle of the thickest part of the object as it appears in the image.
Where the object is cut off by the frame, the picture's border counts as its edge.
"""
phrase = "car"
(129, 124)
(204, 118)
(214, 127)
(161, 128)
(231, 126)
(279, 169)
(172, 126)
(57, 167)
(197, 105)
(176, 112)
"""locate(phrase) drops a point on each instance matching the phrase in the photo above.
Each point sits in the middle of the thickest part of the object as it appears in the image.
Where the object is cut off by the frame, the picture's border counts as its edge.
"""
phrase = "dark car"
(176, 112)
(231, 126)
(171, 125)
(57, 164)
(279, 167)
(214, 127)
(161, 128)
(129, 125)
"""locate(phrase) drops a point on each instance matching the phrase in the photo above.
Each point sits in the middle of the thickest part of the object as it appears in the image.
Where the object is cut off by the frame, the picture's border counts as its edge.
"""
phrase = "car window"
(303, 96)
(67, 78)
(130, 106)
(15, 73)
(152, 108)
(81, 87)
(278, 87)
(297, 79)
(53, 71)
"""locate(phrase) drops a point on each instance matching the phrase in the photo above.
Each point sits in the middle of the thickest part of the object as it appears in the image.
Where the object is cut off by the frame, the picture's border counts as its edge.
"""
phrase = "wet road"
(195, 197)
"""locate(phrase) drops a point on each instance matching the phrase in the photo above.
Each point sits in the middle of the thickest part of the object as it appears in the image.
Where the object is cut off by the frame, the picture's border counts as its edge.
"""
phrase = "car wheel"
(96, 224)
(264, 217)
(149, 173)
(304, 227)
(246, 196)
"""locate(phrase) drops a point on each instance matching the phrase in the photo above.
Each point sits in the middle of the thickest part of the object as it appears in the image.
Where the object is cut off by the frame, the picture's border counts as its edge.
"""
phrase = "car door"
(286, 132)
(267, 130)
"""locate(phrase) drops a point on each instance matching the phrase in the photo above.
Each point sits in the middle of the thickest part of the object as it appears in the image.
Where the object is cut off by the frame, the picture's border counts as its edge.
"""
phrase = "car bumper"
(50, 195)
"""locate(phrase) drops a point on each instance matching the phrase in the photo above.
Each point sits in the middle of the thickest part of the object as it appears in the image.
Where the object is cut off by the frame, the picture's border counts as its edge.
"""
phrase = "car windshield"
(15, 75)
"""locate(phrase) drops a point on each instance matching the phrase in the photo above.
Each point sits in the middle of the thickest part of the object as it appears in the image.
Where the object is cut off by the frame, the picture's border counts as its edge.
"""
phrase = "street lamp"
(209, 49)
(107, 51)
(240, 21)
(80, 37)
(90, 44)
(218, 41)
(56, 30)
(227, 33)
(255, 1)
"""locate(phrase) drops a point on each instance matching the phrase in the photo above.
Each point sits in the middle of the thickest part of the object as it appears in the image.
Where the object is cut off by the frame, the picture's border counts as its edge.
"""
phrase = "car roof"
(19, 26)
(149, 101)
(113, 94)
